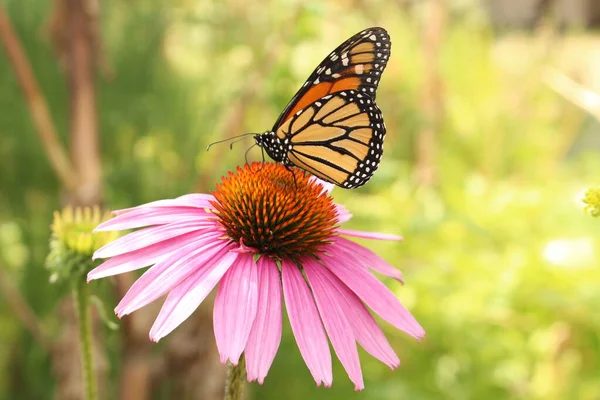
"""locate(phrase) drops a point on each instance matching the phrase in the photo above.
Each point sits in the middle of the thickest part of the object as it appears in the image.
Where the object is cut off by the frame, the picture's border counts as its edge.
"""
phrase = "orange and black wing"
(356, 64)
(338, 138)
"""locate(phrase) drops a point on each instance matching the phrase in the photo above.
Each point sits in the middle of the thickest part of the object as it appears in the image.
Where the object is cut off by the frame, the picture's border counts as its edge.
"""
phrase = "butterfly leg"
(262, 154)
(293, 174)
(246, 154)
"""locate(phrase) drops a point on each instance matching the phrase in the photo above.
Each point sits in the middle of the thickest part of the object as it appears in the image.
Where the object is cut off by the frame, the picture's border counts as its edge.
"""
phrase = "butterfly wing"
(338, 138)
(356, 64)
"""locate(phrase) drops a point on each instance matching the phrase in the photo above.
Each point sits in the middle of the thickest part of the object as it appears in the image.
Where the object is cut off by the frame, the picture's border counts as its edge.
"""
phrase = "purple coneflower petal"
(306, 324)
(353, 250)
(198, 200)
(266, 332)
(149, 236)
(152, 216)
(375, 294)
(185, 298)
(143, 257)
(235, 308)
(369, 235)
(336, 323)
(168, 273)
(366, 330)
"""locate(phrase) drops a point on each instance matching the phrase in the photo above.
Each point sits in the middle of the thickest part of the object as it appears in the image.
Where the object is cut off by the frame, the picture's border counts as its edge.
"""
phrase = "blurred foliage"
(500, 262)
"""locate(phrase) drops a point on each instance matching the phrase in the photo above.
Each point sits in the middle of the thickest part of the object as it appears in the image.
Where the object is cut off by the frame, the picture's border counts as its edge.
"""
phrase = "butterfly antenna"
(228, 139)
(235, 141)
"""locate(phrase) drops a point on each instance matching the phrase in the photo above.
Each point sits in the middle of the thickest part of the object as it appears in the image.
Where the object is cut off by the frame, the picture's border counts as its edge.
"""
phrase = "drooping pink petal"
(185, 298)
(152, 216)
(235, 308)
(199, 200)
(366, 330)
(266, 332)
(149, 236)
(336, 323)
(306, 324)
(343, 215)
(143, 257)
(168, 273)
(375, 294)
(369, 235)
(345, 248)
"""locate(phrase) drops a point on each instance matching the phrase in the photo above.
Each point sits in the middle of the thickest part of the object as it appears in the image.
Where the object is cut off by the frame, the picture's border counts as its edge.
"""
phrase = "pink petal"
(368, 333)
(168, 273)
(343, 214)
(375, 294)
(366, 330)
(152, 216)
(185, 298)
(143, 257)
(336, 324)
(369, 235)
(235, 308)
(199, 200)
(306, 324)
(149, 236)
(348, 248)
(266, 332)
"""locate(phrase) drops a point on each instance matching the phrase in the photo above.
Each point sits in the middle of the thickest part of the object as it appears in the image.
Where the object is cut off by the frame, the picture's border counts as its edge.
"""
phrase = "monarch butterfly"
(332, 127)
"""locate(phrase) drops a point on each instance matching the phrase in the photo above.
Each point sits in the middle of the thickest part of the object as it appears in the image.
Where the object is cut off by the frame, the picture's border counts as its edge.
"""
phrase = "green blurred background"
(493, 136)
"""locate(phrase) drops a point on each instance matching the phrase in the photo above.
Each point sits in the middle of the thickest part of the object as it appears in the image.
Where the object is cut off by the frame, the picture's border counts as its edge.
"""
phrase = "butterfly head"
(271, 143)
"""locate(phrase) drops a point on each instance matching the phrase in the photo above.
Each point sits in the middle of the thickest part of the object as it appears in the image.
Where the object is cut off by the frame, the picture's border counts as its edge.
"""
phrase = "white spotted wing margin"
(364, 56)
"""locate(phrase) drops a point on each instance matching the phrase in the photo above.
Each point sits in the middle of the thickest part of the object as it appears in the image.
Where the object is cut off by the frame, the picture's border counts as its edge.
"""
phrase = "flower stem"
(234, 385)
(82, 307)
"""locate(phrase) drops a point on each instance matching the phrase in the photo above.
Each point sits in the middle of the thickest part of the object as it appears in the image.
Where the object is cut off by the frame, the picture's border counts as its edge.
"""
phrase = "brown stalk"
(85, 151)
(42, 119)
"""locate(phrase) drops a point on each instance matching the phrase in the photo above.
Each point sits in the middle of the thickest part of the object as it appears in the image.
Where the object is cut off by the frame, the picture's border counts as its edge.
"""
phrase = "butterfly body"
(332, 127)
(274, 147)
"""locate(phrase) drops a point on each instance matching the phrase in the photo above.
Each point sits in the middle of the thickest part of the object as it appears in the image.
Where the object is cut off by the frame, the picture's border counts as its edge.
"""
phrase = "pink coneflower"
(264, 233)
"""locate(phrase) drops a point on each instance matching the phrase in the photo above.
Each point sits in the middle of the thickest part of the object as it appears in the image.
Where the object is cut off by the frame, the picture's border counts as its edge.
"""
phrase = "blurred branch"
(23, 312)
(432, 102)
(85, 141)
(577, 94)
(38, 107)
(55, 27)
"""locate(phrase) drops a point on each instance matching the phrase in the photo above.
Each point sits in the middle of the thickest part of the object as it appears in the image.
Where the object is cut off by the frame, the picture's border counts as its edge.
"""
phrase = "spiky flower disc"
(279, 212)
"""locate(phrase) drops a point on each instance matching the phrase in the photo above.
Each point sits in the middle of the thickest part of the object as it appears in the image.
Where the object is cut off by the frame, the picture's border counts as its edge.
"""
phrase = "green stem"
(82, 307)
(234, 385)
